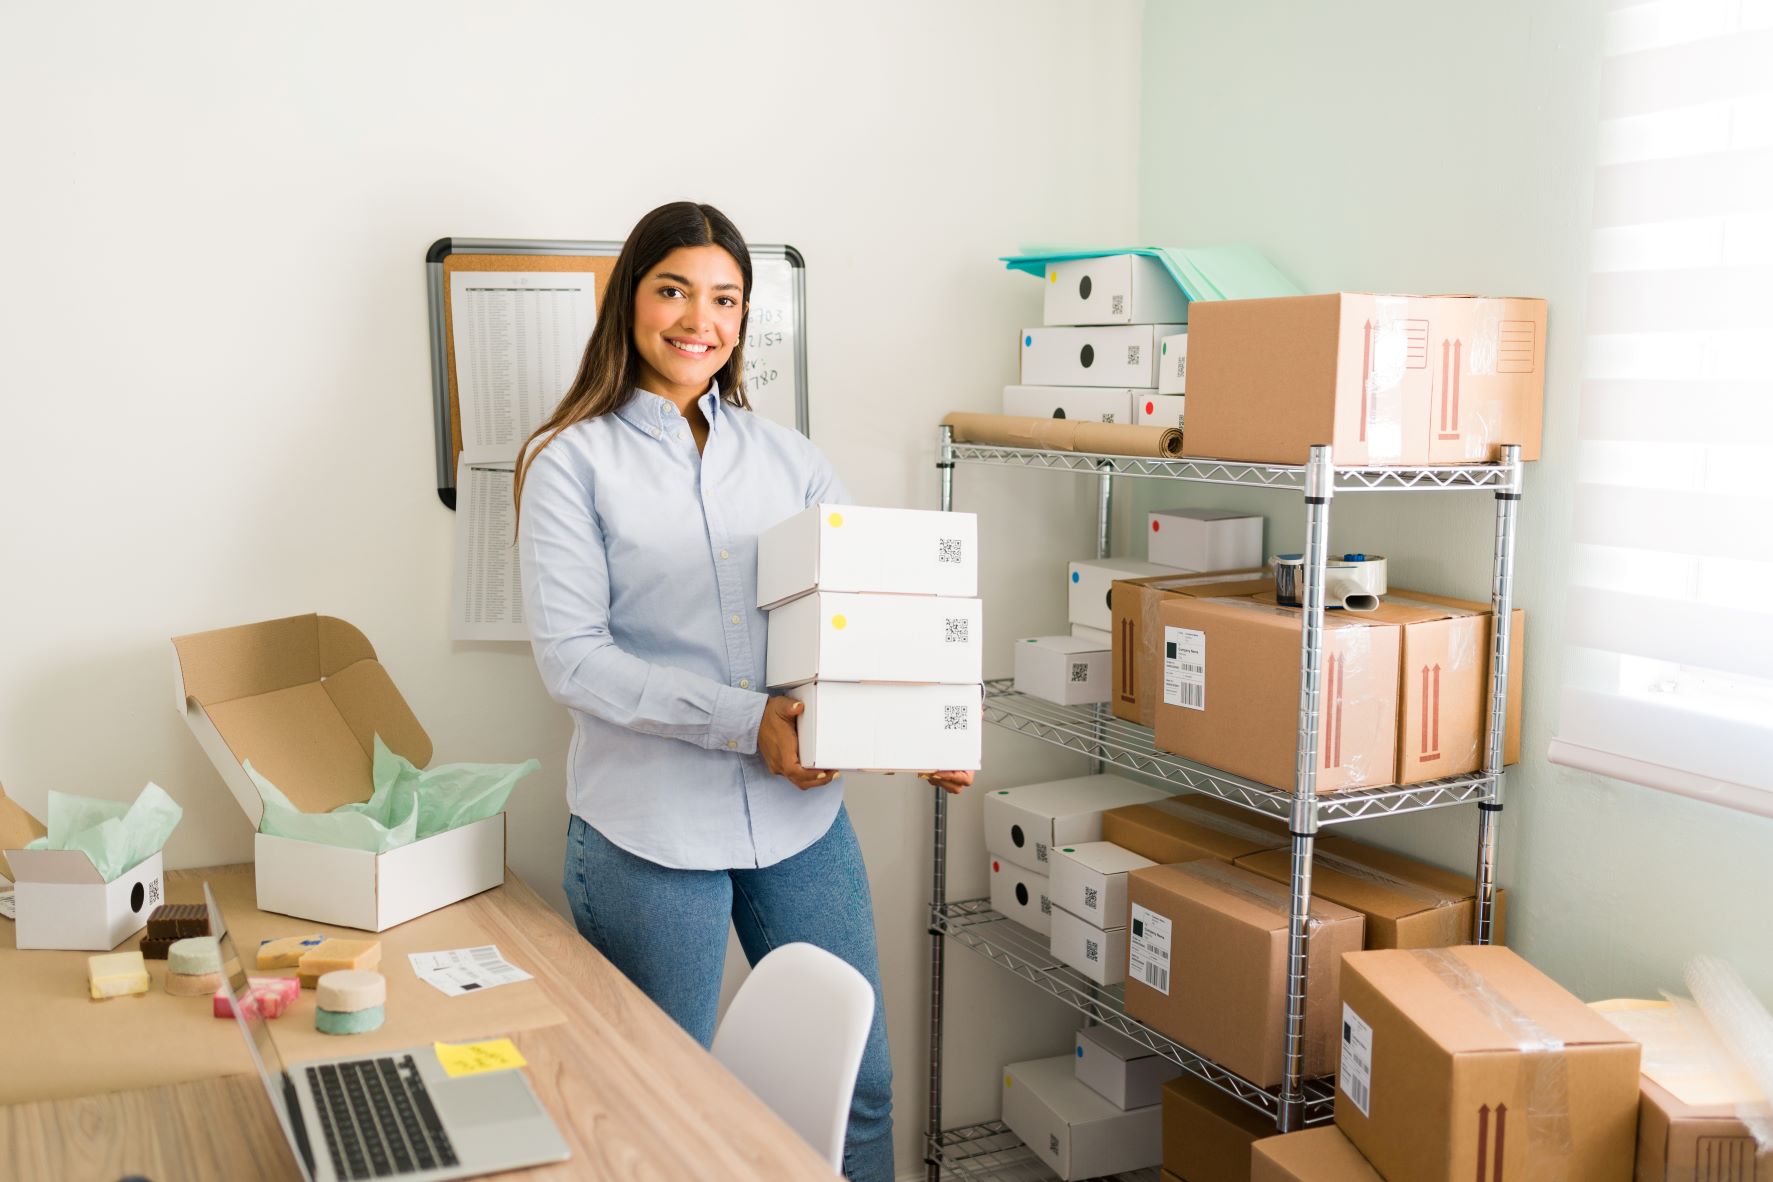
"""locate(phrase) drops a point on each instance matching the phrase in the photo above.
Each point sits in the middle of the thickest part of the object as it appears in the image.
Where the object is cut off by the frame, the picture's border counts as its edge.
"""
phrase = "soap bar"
(335, 954)
(350, 990)
(176, 921)
(358, 1022)
(193, 984)
(266, 996)
(286, 952)
(154, 947)
(116, 974)
(194, 954)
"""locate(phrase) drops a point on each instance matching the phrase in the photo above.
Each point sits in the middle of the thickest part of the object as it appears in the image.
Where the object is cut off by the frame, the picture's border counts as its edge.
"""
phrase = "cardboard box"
(1159, 410)
(1090, 584)
(1188, 828)
(1024, 823)
(1074, 1131)
(1231, 693)
(847, 636)
(909, 728)
(1098, 953)
(1125, 1073)
(1207, 1134)
(1207, 965)
(1517, 664)
(63, 902)
(1123, 357)
(858, 548)
(1113, 289)
(1172, 365)
(1384, 379)
(1063, 669)
(1204, 539)
(1085, 403)
(1445, 1067)
(1089, 879)
(17, 830)
(1020, 894)
(303, 698)
(1138, 637)
(1097, 636)
(1322, 1154)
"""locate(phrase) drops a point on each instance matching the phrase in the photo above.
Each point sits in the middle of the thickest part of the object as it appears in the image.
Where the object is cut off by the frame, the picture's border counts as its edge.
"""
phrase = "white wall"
(1393, 146)
(217, 395)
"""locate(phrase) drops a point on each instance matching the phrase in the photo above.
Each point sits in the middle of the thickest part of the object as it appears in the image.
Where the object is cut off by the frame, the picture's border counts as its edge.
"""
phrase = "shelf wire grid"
(1451, 478)
(991, 1151)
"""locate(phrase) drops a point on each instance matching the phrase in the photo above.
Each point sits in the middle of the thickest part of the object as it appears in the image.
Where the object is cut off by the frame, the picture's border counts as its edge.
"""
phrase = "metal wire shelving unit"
(989, 1150)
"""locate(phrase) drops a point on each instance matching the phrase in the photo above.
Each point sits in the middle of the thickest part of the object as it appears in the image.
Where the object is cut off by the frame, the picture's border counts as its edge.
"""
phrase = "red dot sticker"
(1150, 408)
(994, 868)
(1154, 526)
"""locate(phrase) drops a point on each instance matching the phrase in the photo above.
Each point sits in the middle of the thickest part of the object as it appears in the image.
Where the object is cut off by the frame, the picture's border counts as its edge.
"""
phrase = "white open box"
(63, 902)
(849, 636)
(302, 699)
(859, 548)
(854, 726)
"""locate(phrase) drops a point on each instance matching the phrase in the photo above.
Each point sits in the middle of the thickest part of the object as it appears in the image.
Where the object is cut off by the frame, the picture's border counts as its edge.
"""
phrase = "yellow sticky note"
(471, 1058)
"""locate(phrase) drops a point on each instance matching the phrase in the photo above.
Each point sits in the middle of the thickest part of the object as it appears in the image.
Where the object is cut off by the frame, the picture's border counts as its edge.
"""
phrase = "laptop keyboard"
(378, 1119)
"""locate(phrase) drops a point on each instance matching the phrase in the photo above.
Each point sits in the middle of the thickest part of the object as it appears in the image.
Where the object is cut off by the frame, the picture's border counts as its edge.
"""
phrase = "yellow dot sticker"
(839, 622)
(836, 519)
(1009, 1081)
(1053, 277)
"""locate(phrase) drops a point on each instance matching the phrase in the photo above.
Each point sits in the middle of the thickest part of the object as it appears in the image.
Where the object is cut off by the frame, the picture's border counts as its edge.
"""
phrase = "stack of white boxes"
(1074, 1129)
(875, 624)
(1087, 883)
(1075, 670)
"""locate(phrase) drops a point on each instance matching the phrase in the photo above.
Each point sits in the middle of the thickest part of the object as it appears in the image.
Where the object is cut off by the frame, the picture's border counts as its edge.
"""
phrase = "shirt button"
(744, 683)
(724, 554)
(734, 618)
(732, 744)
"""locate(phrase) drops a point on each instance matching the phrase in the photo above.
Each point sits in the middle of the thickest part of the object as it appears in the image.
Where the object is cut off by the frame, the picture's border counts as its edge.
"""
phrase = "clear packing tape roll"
(1106, 439)
(1352, 581)
(1741, 1024)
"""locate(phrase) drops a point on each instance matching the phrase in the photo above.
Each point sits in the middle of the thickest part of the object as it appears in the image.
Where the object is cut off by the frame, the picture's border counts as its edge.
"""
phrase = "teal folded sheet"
(1202, 272)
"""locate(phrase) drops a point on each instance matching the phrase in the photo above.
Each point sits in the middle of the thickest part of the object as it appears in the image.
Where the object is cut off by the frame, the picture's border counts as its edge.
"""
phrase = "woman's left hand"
(950, 782)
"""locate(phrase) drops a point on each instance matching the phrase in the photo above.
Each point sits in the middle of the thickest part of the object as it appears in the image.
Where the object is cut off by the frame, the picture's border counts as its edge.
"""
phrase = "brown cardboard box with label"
(1138, 637)
(1384, 379)
(1184, 828)
(1315, 1155)
(1207, 965)
(1207, 1134)
(1231, 693)
(1469, 1062)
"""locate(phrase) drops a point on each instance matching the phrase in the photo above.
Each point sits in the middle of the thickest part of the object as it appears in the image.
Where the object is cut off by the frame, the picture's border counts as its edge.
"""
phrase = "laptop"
(396, 1114)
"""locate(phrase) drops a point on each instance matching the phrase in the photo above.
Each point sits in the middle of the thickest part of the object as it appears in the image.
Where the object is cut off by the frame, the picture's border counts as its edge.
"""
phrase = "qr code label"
(1132, 354)
(1046, 905)
(1090, 898)
(1108, 416)
(948, 550)
(954, 631)
(1092, 951)
(1080, 672)
(1118, 305)
(154, 893)
(954, 718)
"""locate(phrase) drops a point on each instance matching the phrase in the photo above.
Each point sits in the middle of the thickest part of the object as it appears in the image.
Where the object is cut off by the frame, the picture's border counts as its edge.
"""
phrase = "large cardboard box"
(1121, 356)
(1204, 539)
(1207, 1134)
(1113, 289)
(1160, 410)
(1384, 379)
(1024, 823)
(1089, 879)
(1125, 1073)
(1079, 403)
(1074, 1131)
(860, 548)
(1020, 894)
(1412, 669)
(1231, 693)
(849, 636)
(1322, 1154)
(1172, 365)
(1138, 636)
(1098, 953)
(1460, 1060)
(61, 900)
(1187, 828)
(1207, 965)
(908, 728)
(1090, 586)
(303, 699)
(1065, 670)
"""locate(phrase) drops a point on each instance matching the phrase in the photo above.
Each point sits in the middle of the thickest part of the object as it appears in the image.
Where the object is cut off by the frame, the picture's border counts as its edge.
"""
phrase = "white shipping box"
(1090, 580)
(1099, 954)
(1172, 364)
(63, 901)
(850, 636)
(1113, 289)
(1160, 410)
(1125, 1073)
(859, 548)
(1020, 894)
(922, 728)
(1064, 669)
(1090, 880)
(1093, 635)
(1074, 1131)
(1117, 356)
(1209, 539)
(303, 698)
(1081, 403)
(1024, 823)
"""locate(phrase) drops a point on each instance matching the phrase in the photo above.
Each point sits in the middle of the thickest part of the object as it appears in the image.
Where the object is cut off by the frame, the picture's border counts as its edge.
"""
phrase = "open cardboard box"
(62, 900)
(303, 698)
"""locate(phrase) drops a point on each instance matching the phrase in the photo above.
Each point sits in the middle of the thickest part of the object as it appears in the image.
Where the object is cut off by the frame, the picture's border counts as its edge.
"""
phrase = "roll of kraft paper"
(1104, 439)
(1353, 581)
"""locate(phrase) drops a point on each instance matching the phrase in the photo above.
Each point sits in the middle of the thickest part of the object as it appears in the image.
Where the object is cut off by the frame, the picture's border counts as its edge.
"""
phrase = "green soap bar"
(193, 955)
(359, 1022)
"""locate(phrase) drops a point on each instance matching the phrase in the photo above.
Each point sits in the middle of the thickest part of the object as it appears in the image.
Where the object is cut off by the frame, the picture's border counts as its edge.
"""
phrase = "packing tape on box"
(1549, 1138)
(1231, 827)
(1107, 439)
(1353, 581)
(1744, 1027)
(1415, 891)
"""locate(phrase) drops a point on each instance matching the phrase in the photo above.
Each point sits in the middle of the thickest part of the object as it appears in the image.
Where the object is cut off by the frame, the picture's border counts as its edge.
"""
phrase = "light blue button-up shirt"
(640, 583)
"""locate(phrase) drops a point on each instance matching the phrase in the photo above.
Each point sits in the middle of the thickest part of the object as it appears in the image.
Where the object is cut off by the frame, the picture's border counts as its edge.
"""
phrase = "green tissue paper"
(115, 834)
(407, 805)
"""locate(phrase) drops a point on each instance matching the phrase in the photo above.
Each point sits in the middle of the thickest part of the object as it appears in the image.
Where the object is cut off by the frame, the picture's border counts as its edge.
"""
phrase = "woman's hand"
(952, 783)
(778, 741)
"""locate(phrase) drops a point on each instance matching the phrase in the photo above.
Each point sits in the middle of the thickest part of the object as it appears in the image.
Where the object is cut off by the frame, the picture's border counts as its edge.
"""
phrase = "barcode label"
(1148, 949)
(954, 631)
(954, 718)
(1118, 306)
(948, 550)
(1108, 416)
(1090, 899)
(1355, 1074)
(1046, 905)
(1185, 668)
(1092, 951)
(1132, 355)
(1080, 672)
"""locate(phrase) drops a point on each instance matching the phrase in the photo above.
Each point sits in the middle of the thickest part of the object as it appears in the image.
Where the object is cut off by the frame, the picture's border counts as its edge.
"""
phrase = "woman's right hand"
(778, 741)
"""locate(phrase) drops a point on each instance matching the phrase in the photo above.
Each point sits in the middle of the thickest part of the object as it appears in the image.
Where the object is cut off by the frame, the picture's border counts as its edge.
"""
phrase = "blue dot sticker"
(1075, 576)
(1080, 1052)
(1028, 340)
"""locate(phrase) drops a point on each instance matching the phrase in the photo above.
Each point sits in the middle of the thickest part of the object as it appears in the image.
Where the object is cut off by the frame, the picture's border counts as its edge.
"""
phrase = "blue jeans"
(665, 929)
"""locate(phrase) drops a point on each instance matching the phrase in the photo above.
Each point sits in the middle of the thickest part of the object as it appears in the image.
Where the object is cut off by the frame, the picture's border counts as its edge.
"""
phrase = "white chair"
(794, 1035)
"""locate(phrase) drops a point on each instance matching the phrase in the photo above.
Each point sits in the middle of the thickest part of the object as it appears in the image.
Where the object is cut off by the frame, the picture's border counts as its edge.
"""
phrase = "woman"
(640, 502)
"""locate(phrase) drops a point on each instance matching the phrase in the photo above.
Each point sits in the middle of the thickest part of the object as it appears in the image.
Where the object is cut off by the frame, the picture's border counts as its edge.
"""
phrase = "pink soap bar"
(266, 996)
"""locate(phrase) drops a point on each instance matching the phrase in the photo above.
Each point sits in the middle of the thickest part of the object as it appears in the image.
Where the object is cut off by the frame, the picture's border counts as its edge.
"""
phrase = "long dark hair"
(610, 368)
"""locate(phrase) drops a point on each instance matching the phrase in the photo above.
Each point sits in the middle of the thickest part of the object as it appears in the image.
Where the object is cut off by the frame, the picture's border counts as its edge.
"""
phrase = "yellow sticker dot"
(1053, 277)
(836, 519)
(839, 622)
(1008, 1081)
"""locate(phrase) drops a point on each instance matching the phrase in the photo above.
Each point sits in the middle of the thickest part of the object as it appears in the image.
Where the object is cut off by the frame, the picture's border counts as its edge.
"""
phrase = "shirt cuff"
(737, 715)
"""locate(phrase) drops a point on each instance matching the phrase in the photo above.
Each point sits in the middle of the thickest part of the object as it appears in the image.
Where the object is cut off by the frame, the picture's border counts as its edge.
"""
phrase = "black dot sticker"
(1021, 894)
(1108, 598)
(1016, 836)
(137, 896)
(1058, 412)
(1087, 356)
(1083, 288)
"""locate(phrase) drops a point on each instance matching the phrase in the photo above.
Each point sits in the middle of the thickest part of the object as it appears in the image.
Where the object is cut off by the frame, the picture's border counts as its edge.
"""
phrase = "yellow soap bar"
(286, 952)
(337, 955)
(116, 974)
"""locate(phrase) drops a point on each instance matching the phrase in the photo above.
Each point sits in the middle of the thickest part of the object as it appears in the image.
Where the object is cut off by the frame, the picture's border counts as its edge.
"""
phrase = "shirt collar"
(652, 412)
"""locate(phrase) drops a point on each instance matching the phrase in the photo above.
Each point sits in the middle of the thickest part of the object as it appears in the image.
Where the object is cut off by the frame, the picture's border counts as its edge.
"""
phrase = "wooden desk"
(634, 1096)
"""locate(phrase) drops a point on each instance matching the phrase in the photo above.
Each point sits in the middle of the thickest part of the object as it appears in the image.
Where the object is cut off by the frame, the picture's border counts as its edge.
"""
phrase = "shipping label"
(1185, 668)
(1148, 956)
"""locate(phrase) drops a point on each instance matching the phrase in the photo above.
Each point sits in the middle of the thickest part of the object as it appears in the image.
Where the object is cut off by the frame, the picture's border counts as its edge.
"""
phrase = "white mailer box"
(866, 727)
(1125, 1073)
(1074, 1131)
(1089, 582)
(1080, 403)
(63, 902)
(1160, 410)
(1025, 822)
(850, 636)
(1172, 364)
(302, 699)
(1206, 539)
(1064, 669)
(1020, 894)
(1090, 880)
(1123, 356)
(1113, 289)
(858, 548)
(1099, 954)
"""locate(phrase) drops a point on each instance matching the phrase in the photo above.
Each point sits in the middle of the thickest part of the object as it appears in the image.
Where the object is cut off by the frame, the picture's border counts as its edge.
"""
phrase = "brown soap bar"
(178, 921)
(154, 947)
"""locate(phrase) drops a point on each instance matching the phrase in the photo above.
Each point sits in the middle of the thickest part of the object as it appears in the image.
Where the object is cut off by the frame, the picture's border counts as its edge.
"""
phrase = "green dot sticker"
(1068, 850)
(1003, 791)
